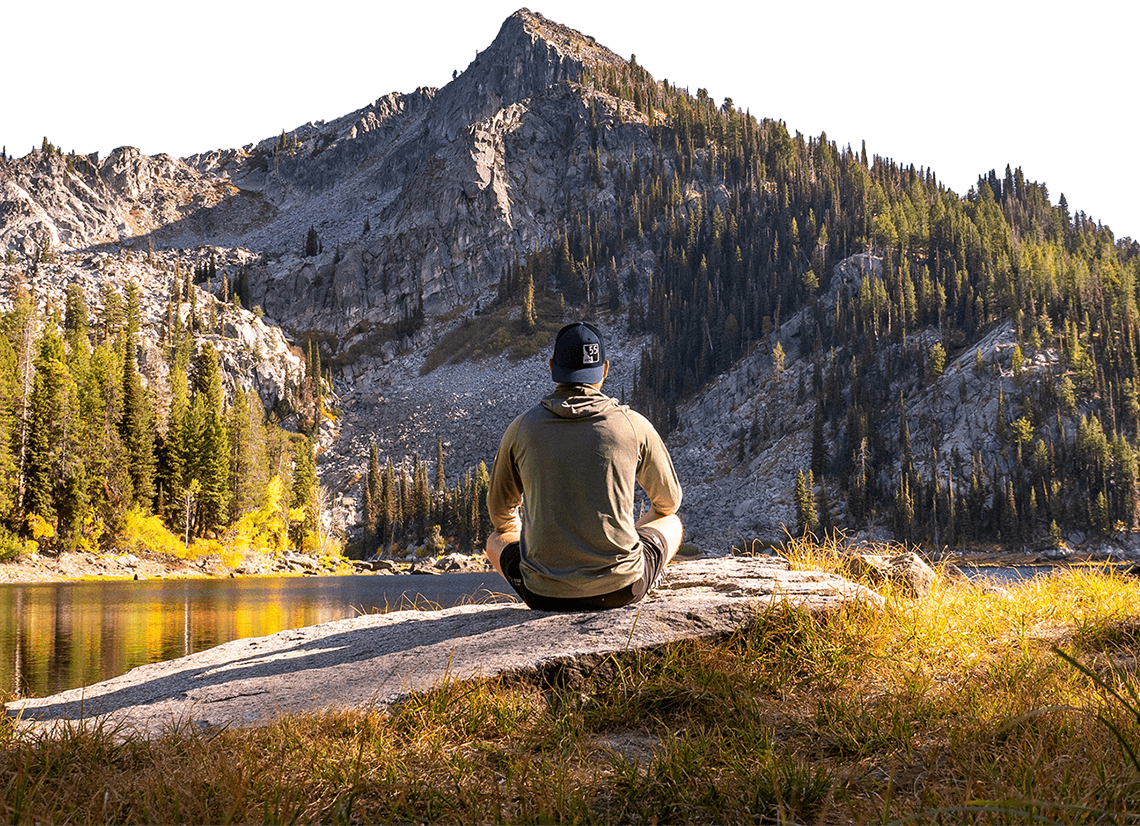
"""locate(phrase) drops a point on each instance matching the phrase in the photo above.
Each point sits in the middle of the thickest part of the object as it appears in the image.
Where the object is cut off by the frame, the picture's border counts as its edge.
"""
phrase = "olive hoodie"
(565, 476)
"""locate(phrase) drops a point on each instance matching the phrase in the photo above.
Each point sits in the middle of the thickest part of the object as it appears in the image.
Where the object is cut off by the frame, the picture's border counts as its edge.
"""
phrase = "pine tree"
(76, 323)
(172, 446)
(304, 494)
(9, 394)
(778, 359)
(373, 502)
(53, 465)
(367, 508)
(904, 509)
(390, 509)
(100, 406)
(807, 519)
(422, 501)
(208, 446)
(936, 363)
(1009, 525)
(529, 318)
(112, 315)
(245, 427)
(441, 495)
(136, 427)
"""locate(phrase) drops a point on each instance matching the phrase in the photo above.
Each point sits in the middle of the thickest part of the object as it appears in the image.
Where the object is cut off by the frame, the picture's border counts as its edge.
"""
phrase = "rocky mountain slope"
(673, 221)
(417, 201)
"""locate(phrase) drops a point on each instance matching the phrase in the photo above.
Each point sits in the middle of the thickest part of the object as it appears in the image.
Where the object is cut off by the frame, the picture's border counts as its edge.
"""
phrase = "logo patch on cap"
(590, 353)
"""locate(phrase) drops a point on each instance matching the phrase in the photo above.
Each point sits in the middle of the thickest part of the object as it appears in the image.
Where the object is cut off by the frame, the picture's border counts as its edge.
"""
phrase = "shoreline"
(32, 569)
(87, 566)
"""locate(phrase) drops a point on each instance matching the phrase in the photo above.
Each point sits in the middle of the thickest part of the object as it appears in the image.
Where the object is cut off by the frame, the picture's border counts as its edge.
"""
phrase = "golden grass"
(954, 708)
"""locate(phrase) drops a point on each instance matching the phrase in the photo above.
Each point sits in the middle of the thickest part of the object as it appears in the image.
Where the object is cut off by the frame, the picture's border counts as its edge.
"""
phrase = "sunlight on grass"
(976, 704)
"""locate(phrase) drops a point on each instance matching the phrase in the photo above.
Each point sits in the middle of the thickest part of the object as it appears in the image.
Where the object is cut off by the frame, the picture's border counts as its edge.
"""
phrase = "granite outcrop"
(376, 659)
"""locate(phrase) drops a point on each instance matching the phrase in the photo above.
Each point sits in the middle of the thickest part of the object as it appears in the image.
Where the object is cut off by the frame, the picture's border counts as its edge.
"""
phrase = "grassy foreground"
(961, 707)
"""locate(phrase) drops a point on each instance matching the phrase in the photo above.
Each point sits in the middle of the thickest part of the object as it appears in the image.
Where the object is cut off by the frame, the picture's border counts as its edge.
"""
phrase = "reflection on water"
(1007, 574)
(55, 636)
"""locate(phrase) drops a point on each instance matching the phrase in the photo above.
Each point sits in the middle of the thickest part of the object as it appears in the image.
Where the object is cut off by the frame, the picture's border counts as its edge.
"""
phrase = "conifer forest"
(726, 275)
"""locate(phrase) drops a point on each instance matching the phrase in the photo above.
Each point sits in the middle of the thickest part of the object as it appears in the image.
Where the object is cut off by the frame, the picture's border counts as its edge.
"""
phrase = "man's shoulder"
(637, 419)
(536, 413)
(538, 410)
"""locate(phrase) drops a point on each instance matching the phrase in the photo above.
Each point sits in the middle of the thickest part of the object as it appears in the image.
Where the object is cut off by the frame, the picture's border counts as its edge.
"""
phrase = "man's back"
(578, 456)
(562, 491)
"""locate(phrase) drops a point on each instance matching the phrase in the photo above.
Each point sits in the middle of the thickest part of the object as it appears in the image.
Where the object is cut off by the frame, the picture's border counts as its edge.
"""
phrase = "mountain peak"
(528, 57)
(569, 42)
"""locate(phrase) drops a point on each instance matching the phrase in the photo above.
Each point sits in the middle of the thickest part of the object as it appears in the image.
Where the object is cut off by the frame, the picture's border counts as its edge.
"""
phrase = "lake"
(1007, 574)
(60, 635)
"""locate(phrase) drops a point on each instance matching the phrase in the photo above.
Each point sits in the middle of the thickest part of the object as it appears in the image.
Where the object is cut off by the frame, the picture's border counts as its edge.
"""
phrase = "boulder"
(374, 660)
(906, 571)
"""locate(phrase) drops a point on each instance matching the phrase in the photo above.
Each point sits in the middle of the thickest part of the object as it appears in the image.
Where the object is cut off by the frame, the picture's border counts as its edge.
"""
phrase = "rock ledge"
(376, 659)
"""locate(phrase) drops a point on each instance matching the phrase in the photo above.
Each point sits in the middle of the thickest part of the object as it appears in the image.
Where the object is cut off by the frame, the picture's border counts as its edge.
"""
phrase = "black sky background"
(957, 93)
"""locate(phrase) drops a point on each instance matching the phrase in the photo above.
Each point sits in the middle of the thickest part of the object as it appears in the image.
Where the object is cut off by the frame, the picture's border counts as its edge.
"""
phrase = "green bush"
(11, 545)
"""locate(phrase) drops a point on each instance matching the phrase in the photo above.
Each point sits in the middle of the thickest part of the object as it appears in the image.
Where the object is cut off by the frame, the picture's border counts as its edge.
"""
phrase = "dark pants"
(654, 550)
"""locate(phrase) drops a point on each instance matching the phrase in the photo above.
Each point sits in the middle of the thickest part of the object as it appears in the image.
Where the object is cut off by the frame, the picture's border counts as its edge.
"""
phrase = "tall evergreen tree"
(304, 495)
(9, 393)
(208, 458)
(53, 468)
(807, 519)
(137, 423)
(136, 428)
(173, 447)
(373, 502)
(246, 429)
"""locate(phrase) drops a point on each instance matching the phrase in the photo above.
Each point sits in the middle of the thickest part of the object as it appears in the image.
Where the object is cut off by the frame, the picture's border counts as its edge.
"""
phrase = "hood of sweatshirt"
(578, 402)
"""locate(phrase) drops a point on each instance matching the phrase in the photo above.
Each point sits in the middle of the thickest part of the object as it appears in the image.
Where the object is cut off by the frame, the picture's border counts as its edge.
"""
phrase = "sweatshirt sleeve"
(655, 473)
(504, 493)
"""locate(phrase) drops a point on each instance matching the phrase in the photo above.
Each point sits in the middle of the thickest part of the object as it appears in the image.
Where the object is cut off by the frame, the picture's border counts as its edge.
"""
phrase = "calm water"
(56, 636)
(1007, 574)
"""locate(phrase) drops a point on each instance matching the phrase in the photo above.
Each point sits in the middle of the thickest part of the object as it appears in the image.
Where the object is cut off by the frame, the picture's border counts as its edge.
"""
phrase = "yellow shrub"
(40, 527)
(144, 533)
(227, 553)
(265, 529)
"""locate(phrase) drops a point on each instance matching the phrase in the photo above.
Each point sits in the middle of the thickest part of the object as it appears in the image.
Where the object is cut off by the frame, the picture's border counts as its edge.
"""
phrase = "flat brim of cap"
(583, 375)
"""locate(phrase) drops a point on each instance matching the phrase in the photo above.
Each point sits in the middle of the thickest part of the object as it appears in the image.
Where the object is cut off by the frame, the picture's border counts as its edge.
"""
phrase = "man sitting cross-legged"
(562, 488)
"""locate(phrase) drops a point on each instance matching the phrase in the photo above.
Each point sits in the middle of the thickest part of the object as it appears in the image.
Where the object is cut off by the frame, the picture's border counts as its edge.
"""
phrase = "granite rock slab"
(377, 659)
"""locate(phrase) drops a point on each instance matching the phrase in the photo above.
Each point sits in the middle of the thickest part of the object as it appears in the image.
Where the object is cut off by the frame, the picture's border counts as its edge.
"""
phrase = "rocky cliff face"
(419, 200)
(449, 186)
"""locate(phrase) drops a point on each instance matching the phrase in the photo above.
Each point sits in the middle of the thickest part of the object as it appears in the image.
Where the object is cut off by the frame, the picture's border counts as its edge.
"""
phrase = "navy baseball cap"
(579, 355)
